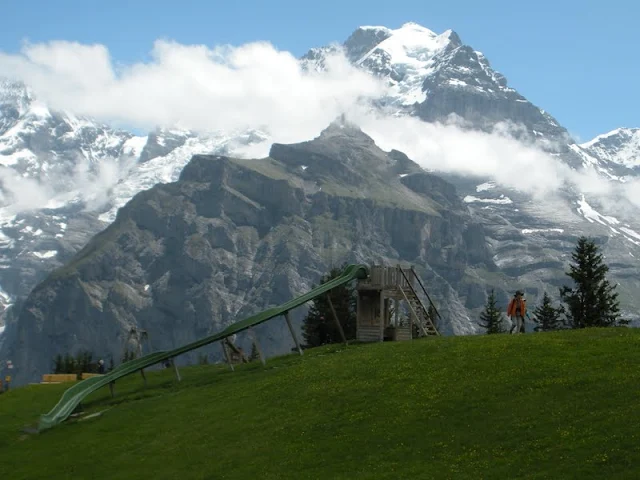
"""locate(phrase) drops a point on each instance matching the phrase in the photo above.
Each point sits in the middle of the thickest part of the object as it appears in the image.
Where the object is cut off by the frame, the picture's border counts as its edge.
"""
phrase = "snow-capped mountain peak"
(620, 146)
(406, 56)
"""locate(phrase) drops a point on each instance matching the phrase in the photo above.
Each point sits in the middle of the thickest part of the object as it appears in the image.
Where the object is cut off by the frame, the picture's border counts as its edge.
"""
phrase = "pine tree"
(546, 316)
(319, 327)
(68, 364)
(58, 363)
(593, 301)
(491, 317)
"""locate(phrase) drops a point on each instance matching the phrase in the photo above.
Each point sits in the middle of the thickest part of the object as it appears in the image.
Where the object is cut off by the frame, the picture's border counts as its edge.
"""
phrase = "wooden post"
(112, 389)
(396, 311)
(335, 319)
(257, 345)
(226, 354)
(236, 350)
(175, 368)
(287, 317)
(143, 376)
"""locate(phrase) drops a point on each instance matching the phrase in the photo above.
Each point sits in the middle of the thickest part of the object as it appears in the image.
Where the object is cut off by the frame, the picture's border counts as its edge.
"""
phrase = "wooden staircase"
(394, 288)
(426, 324)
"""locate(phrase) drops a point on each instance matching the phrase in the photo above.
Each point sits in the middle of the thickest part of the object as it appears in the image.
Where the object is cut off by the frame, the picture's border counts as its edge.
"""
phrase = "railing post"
(293, 334)
(335, 319)
(225, 352)
(175, 368)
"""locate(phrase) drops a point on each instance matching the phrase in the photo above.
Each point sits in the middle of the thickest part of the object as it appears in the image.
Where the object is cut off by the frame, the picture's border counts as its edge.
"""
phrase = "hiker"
(101, 366)
(517, 308)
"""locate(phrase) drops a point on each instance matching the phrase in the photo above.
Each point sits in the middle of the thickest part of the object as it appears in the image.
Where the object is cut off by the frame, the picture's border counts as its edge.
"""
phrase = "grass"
(546, 405)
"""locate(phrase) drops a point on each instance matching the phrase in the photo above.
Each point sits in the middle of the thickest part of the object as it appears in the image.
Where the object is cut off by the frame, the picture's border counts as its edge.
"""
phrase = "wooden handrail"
(416, 295)
(425, 292)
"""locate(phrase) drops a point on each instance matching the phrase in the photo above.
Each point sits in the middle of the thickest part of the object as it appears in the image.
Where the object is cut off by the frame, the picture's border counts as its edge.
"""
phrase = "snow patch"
(47, 254)
(596, 139)
(167, 169)
(527, 231)
(134, 146)
(630, 232)
(620, 146)
(485, 186)
(502, 200)
(409, 51)
(593, 216)
(14, 158)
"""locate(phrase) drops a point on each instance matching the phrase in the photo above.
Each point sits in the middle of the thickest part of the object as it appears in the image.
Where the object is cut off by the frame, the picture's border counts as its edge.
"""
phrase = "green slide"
(74, 395)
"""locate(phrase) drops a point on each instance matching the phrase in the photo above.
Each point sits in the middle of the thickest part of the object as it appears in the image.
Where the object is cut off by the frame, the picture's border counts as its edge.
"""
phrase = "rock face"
(62, 179)
(231, 237)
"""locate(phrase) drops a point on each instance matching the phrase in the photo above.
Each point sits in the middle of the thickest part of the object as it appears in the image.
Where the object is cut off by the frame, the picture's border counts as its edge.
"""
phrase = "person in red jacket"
(516, 310)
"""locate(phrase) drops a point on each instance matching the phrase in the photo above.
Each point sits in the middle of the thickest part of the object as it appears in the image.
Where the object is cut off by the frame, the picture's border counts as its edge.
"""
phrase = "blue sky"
(576, 59)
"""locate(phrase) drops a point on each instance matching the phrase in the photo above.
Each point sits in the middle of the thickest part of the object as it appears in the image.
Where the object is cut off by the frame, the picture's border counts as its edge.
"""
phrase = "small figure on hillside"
(516, 310)
(101, 366)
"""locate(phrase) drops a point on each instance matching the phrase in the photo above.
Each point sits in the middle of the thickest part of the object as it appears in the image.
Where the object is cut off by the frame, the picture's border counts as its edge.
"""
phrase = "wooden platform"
(386, 278)
(387, 288)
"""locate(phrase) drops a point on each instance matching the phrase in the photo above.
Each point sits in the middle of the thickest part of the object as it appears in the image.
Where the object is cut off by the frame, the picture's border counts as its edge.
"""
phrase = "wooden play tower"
(388, 296)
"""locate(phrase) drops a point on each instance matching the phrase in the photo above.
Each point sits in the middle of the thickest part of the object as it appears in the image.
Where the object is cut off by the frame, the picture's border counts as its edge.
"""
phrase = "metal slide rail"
(74, 395)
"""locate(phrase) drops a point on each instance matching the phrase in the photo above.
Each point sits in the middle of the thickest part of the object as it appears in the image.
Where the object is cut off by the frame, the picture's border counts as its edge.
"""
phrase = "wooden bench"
(59, 377)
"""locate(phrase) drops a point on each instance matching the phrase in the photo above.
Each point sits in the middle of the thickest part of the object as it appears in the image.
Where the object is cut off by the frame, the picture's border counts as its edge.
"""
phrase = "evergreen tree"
(68, 364)
(83, 362)
(58, 363)
(319, 327)
(593, 301)
(546, 316)
(491, 317)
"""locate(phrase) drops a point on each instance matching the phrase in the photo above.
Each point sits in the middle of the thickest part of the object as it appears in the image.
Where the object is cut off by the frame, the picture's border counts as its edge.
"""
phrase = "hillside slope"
(555, 405)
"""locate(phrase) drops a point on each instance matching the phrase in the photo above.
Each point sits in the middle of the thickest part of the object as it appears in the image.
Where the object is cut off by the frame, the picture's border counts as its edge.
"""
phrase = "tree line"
(592, 301)
(85, 361)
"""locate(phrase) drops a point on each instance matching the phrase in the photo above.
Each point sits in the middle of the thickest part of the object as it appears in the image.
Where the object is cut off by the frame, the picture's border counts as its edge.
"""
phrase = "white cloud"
(256, 86)
(451, 148)
(87, 182)
(195, 87)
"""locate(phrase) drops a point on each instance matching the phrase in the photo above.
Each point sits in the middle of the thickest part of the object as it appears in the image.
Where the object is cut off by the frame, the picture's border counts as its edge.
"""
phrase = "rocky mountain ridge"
(232, 237)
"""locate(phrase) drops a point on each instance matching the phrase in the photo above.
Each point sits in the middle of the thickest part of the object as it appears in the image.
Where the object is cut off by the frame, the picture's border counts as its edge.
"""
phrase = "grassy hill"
(548, 405)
